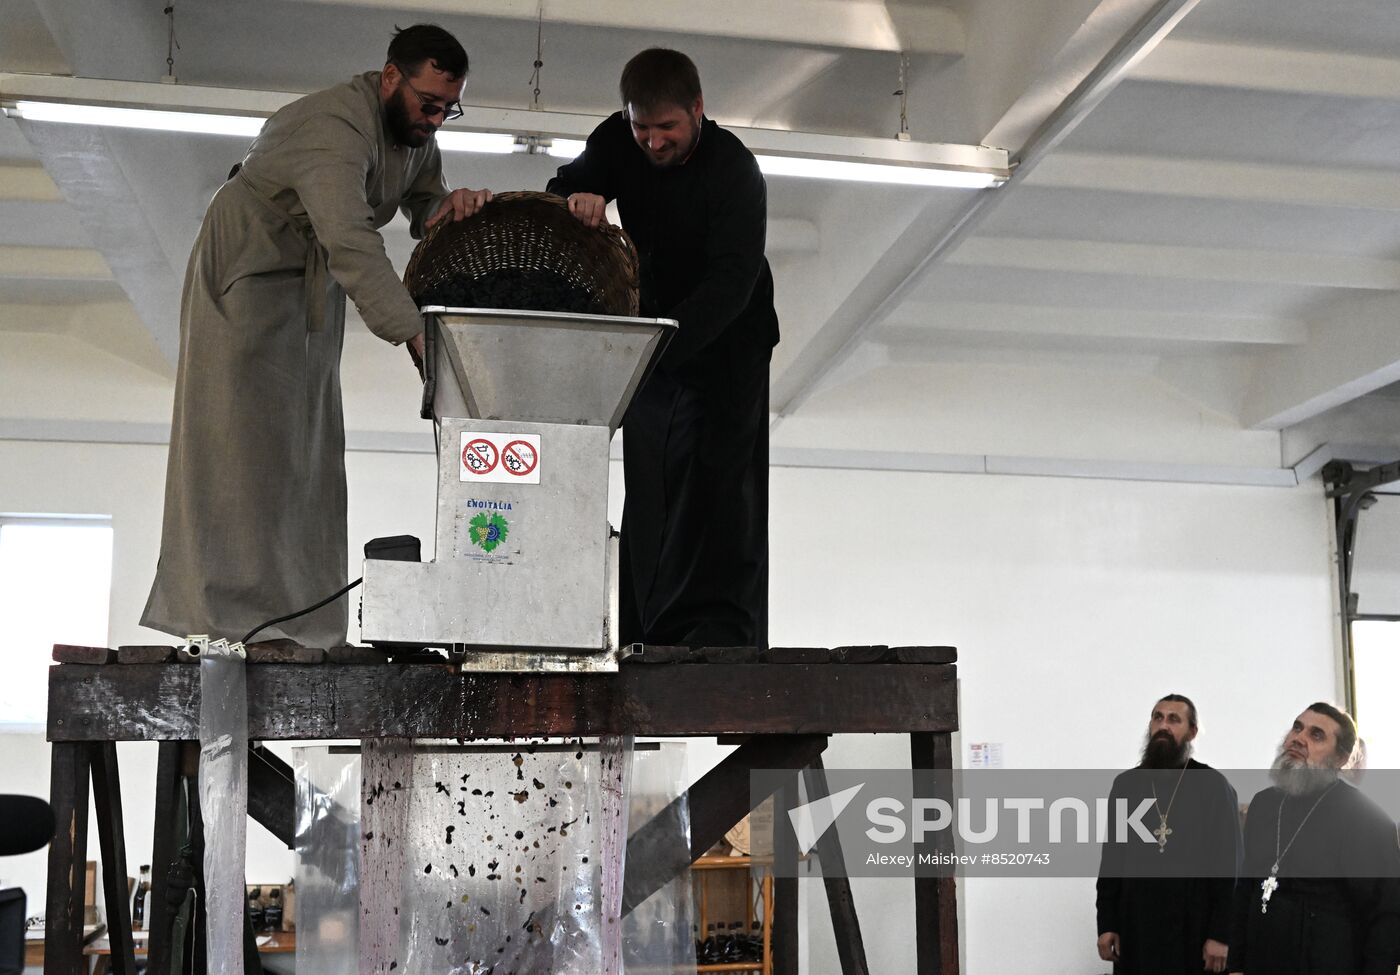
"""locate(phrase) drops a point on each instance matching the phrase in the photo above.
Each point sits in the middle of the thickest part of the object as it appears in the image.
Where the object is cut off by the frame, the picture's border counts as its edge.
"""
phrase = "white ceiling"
(1203, 274)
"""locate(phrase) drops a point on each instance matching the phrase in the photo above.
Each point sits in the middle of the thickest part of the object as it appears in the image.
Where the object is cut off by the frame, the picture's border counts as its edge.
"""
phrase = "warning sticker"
(502, 458)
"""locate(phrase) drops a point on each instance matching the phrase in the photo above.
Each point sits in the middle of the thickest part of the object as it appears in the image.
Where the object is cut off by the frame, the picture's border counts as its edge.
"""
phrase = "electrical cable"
(536, 78)
(171, 46)
(301, 612)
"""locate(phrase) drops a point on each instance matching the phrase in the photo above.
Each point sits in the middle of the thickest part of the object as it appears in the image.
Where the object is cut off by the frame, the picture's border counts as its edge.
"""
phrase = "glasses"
(430, 109)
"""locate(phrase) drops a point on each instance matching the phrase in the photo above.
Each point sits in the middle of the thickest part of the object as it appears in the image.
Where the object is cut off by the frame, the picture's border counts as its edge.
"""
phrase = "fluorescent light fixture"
(566, 148)
(451, 140)
(503, 143)
(863, 172)
(140, 118)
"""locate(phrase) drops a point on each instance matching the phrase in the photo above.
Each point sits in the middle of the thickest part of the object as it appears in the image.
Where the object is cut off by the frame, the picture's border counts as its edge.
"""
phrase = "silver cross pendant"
(1269, 885)
(1162, 832)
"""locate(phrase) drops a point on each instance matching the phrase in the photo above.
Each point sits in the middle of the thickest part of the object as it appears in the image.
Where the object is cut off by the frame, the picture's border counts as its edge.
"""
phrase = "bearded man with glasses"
(255, 518)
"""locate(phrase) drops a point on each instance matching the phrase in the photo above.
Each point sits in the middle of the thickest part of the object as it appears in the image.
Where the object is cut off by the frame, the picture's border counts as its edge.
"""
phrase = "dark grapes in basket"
(529, 290)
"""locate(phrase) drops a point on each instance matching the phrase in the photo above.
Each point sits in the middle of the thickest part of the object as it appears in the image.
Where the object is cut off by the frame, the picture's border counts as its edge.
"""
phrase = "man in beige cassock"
(255, 521)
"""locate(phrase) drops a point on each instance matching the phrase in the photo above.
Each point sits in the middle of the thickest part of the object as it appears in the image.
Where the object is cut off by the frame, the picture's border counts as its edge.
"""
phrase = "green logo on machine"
(488, 530)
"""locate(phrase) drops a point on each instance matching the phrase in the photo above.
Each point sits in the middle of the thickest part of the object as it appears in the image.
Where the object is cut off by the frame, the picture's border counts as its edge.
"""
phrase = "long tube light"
(140, 118)
(863, 172)
(456, 140)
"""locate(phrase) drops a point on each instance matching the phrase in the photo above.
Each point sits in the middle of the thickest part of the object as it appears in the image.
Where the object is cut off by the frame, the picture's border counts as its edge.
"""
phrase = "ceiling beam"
(917, 319)
(27, 183)
(847, 328)
(1183, 262)
(25, 317)
(53, 264)
(111, 326)
(1353, 349)
(1287, 70)
(1221, 180)
(86, 170)
(866, 25)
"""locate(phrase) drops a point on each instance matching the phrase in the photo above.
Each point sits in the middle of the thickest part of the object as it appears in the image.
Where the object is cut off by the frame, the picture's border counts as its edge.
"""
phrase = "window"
(1376, 663)
(55, 587)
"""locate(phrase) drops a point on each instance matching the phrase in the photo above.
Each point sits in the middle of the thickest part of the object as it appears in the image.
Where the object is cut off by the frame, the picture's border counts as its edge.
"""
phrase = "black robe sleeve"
(594, 169)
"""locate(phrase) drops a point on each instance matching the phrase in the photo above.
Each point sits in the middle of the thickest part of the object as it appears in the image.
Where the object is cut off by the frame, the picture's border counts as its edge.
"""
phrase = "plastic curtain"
(482, 858)
(223, 800)
(328, 859)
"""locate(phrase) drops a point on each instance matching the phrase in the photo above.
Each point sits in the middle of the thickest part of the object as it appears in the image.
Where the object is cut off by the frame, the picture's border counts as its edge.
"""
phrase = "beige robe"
(255, 523)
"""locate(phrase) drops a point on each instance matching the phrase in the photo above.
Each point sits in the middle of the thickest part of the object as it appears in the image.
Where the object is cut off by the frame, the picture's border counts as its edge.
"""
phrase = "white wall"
(1075, 604)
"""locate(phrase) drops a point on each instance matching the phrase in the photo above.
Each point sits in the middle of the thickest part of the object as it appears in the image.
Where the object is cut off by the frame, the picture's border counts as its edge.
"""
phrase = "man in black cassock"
(1164, 907)
(1320, 893)
(695, 519)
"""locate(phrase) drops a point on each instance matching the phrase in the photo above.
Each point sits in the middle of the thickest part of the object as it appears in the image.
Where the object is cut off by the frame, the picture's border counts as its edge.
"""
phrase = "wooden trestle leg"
(935, 898)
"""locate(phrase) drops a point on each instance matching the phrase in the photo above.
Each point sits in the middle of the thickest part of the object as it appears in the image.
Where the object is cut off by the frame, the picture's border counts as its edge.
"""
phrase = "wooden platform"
(781, 704)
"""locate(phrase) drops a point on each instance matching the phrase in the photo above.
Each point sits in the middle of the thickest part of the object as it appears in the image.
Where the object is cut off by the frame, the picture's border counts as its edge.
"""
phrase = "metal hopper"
(543, 367)
(525, 573)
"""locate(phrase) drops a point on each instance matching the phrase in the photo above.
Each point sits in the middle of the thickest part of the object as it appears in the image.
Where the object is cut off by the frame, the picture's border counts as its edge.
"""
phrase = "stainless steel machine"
(525, 576)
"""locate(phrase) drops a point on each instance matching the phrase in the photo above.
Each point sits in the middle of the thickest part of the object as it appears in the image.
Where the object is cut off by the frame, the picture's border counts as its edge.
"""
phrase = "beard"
(400, 124)
(682, 153)
(1162, 750)
(1295, 777)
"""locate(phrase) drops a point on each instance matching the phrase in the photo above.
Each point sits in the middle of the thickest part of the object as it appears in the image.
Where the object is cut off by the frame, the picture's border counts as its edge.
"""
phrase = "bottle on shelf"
(708, 955)
(755, 942)
(272, 913)
(138, 904)
(255, 910)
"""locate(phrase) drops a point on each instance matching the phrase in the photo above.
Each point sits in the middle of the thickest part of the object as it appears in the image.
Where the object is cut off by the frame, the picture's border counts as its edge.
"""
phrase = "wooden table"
(780, 704)
(280, 943)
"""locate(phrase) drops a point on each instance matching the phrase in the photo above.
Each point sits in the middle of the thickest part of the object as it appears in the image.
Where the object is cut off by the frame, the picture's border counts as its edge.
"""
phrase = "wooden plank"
(845, 925)
(662, 655)
(163, 852)
(68, 797)
(935, 898)
(436, 701)
(926, 655)
(658, 851)
(64, 653)
(284, 653)
(111, 837)
(862, 655)
(729, 655)
(796, 655)
(145, 655)
(272, 795)
(355, 655)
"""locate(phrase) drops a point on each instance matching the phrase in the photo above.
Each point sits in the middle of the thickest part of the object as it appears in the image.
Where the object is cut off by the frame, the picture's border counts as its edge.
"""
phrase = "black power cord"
(301, 612)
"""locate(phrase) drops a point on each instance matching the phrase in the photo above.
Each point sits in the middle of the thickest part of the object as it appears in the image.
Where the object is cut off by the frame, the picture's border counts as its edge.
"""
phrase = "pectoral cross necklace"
(1270, 883)
(1163, 830)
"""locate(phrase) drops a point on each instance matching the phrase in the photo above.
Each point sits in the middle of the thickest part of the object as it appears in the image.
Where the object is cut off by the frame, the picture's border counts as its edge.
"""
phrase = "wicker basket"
(528, 232)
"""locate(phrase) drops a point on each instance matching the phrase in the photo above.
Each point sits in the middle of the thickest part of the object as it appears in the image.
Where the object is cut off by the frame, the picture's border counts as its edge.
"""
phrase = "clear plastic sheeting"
(223, 799)
(615, 764)
(503, 867)
(386, 791)
(328, 859)
(656, 935)
(503, 858)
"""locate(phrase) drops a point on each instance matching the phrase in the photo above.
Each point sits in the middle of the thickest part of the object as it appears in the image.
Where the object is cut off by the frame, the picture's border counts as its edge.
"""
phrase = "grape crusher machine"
(525, 576)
